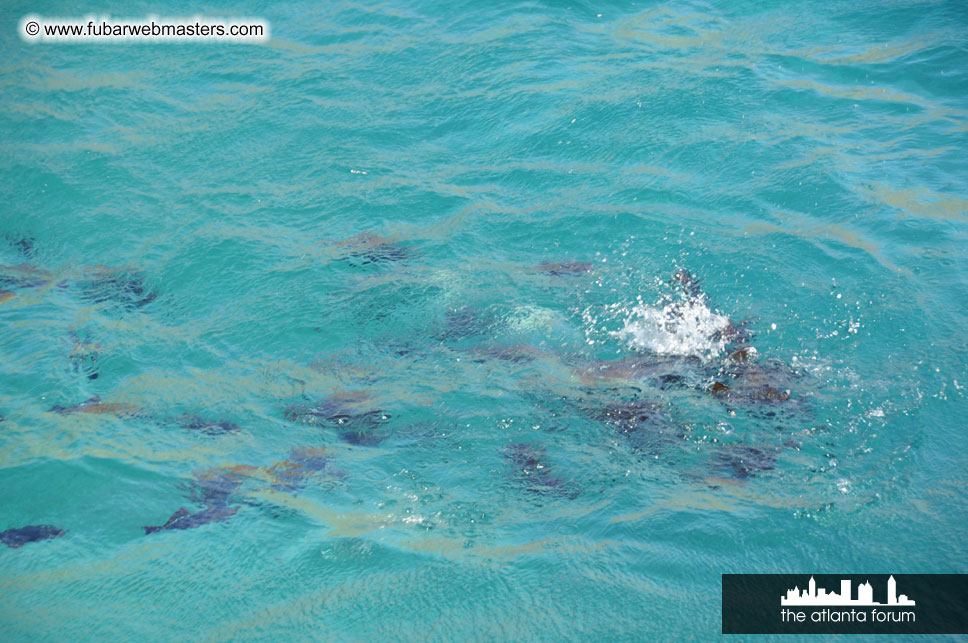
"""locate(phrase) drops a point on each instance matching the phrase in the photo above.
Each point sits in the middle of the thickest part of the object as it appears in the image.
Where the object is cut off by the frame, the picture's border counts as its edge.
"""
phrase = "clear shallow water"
(806, 163)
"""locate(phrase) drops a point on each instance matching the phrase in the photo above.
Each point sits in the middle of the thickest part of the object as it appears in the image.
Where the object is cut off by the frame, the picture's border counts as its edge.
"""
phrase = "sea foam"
(675, 327)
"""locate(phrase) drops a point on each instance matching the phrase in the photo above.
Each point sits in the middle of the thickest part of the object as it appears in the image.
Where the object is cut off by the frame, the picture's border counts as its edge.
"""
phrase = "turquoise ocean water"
(387, 305)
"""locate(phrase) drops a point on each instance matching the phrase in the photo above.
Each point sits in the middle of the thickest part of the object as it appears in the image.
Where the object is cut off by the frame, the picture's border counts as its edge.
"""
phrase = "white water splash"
(684, 328)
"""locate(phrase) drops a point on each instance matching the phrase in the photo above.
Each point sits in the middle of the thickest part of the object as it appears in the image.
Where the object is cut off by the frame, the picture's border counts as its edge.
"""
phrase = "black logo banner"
(845, 604)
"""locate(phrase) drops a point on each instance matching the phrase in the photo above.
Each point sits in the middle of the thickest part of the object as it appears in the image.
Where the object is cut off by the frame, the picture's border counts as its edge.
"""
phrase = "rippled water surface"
(395, 308)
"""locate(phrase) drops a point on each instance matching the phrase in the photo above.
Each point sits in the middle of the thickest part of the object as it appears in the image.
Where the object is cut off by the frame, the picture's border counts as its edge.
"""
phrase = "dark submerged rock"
(127, 289)
(735, 332)
(326, 414)
(535, 473)
(646, 424)
(362, 438)
(524, 456)
(84, 356)
(742, 354)
(464, 323)
(362, 428)
(320, 411)
(24, 245)
(77, 408)
(383, 253)
(741, 462)
(309, 458)
(365, 420)
(760, 388)
(515, 354)
(213, 489)
(659, 371)
(565, 268)
(303, 462)
(209, 427)
(367, 248)
(24, 276)
(184, 519)
(16, 538)
(670, 381)
(688, 283)
(95, 406)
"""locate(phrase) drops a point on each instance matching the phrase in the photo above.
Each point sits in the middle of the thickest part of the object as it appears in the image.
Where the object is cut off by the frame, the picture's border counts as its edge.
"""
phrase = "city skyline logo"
(813, 595)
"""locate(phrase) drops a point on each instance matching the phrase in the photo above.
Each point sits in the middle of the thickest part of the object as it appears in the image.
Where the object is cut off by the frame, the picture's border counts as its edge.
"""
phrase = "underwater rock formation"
(354, 426)
(184, 519)
(24, 276)
(84, 356)
(16, 538)
(366, 248)
(95, 406)
(516, 354)
(464, 323)
(565, 268)
(645, 424)
(209, 427)
(741, 461)
(213, 489)
(302, 463)
(534, 473)
(119, 286)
